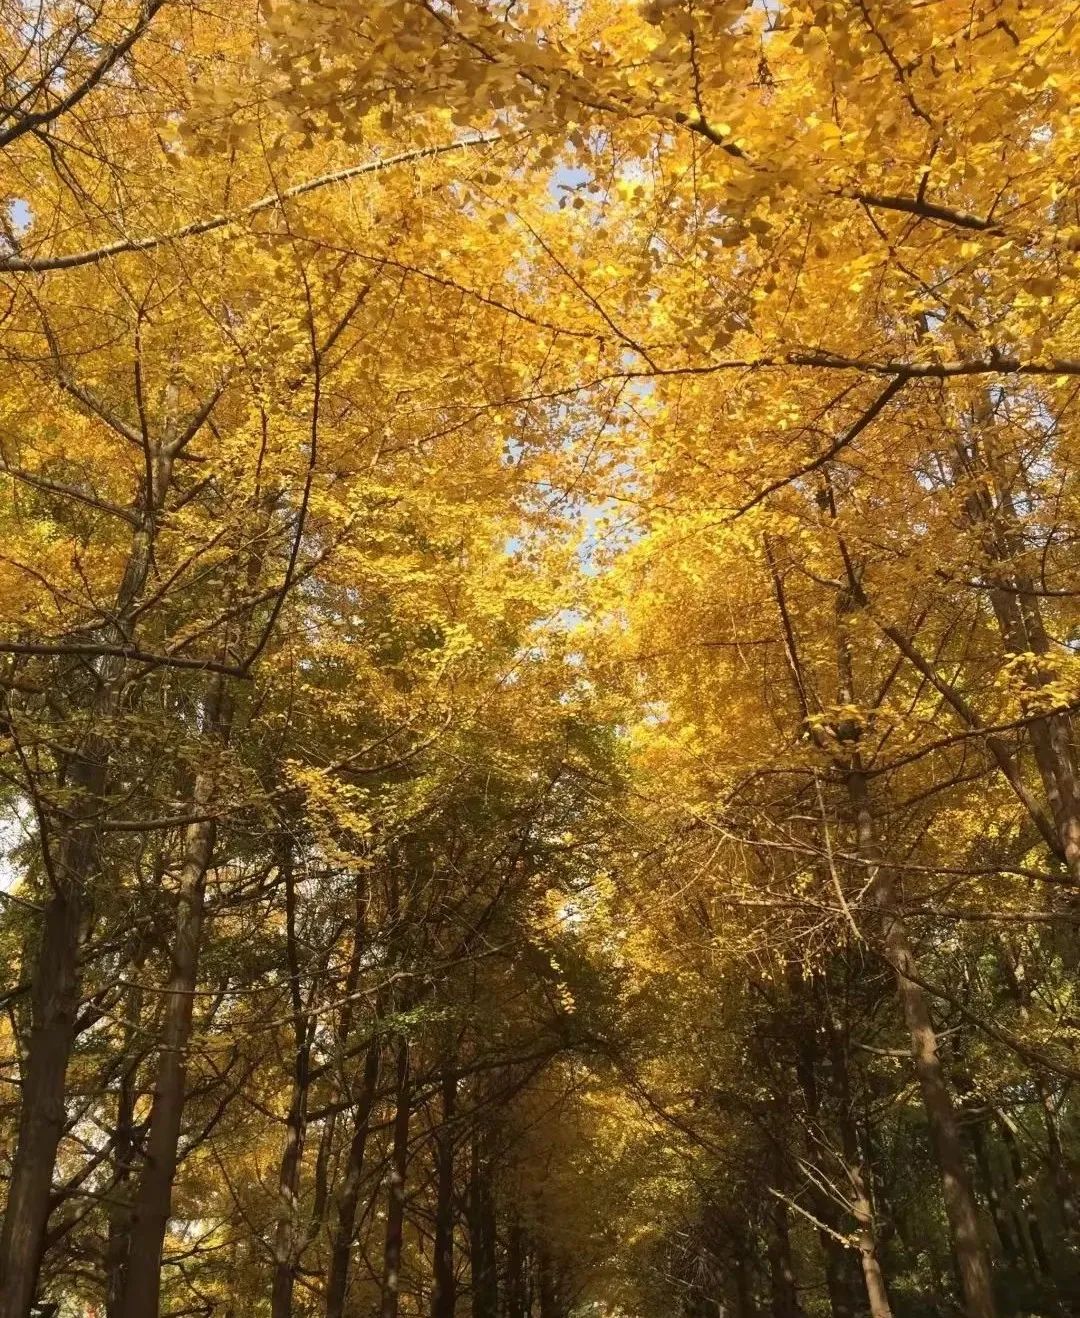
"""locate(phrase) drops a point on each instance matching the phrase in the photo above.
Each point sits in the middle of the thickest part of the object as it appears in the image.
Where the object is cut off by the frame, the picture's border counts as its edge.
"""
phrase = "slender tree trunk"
(153, 1199)
(969, 1252)
(482, 1260)
(55, 994)
(834, 1260)
(285, 1233)
(517, 1263)
(877, 1295)
(320, 1198)
(288, 1237)
(861, 1206)
(835, 1256)
(551, 1305)
(54, 1005)
(337, 1276)
(1061, 1170)
(347, 1199)
(444, 1293)
(991, 1193)
(118, 1242)
(1017, 608)
(784, 1292)
(972, 1264)
(1023, 1211)
(395, 1212)
(744, 1291)
(119, 1224)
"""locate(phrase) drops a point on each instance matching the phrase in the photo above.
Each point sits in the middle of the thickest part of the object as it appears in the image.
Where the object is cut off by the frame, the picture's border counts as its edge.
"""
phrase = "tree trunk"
(337, 1277)
(55, 993)
(861, 1207)
(517, 1263)
(118, 1243)
(1023, 1212)
(54, 1005)
(1018, 612)
(285, 1233)
(785, 1295)
(482, 1260)
(744, 1291)
(990, 1191)
(840, 1279)
(1061, 1169)
(551, 1305)
(320, 1196)
(153, 1199)
(395, 1213)
(444, 1293)
(877, 1295)
(288, 1237)
(971, 1261)
(836, 1259)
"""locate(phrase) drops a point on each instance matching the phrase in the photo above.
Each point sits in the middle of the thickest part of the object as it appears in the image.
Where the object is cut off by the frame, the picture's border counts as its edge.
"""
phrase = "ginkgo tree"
(222, 496)
(537, 628)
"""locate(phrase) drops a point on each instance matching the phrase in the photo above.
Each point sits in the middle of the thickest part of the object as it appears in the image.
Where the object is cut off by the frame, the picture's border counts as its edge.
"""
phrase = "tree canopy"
(539, 659)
